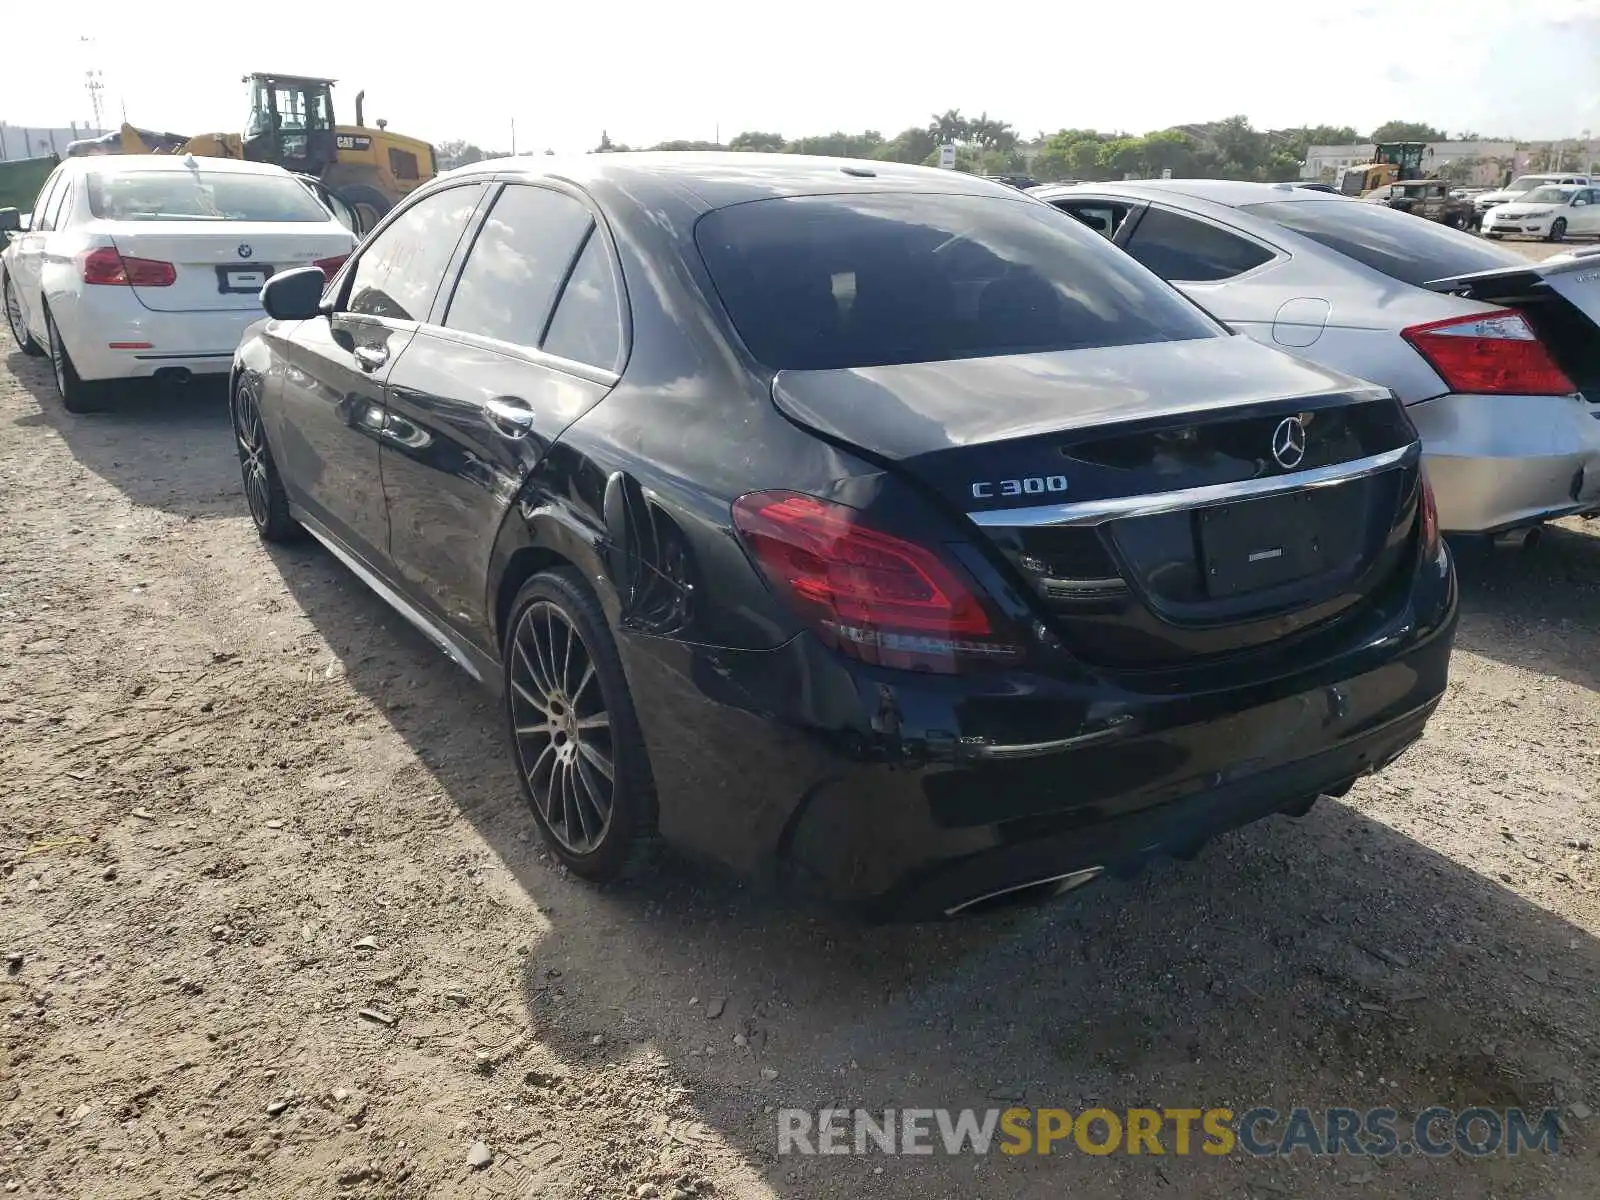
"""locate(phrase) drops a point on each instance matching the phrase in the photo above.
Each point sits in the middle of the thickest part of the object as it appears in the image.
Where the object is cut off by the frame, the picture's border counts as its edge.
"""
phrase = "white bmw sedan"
(143, 265)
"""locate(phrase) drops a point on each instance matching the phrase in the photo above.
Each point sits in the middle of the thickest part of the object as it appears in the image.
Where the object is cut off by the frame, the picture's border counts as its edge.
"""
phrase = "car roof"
(1233, 193)
(122, 163)
(719, 179)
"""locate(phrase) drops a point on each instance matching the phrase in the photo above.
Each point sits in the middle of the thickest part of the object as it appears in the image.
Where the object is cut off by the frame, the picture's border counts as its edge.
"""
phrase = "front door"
(518, 352)
(332, 409)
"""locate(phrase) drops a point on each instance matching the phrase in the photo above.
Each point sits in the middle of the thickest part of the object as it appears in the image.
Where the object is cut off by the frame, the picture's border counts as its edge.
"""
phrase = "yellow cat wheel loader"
(292, 124)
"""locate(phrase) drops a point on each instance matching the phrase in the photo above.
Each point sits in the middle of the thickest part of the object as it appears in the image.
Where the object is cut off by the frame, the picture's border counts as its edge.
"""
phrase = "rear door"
(223, 233)
(329, 419)
(28, 251)
(527, 340)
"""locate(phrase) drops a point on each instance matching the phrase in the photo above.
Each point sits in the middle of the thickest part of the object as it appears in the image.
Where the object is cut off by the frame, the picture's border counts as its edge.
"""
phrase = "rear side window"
(1389, 241)
(823, 282)
(517, 264)
(587, 327)
(1100, 216)
(400, 269)
(1176, 247)
(57, 206)
(41, 204)
(195, 195)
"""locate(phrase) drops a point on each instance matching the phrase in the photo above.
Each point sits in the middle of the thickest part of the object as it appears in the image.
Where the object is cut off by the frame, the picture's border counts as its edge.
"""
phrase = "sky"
(645, 71)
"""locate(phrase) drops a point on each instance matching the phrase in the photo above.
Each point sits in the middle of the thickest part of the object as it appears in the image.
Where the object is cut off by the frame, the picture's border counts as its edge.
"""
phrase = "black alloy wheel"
(579, 752)
(263, 490)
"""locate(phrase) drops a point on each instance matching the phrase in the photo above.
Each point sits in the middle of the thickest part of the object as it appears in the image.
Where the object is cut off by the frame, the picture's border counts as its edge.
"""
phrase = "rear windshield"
(821, 282)
(200, 196)
(1393, 242)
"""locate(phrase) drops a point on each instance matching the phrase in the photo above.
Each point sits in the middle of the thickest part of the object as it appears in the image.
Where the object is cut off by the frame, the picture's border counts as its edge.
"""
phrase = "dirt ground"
(277, 926)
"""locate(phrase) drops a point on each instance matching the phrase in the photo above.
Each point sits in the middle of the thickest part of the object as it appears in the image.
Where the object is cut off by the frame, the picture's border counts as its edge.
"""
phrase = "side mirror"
(10, 221)
(1579, 203)
(294, 295)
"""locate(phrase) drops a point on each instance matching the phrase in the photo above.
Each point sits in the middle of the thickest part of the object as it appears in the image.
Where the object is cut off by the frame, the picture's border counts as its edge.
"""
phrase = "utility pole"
(513, 137)
(94, 82)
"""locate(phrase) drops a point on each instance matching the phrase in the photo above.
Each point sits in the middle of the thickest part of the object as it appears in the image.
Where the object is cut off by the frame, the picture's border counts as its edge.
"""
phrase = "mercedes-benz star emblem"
(244, 250)
(1289, 442)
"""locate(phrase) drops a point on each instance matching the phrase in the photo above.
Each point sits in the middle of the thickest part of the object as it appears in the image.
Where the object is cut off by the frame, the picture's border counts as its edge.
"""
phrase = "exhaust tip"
(1525, 538)
(1021, 894)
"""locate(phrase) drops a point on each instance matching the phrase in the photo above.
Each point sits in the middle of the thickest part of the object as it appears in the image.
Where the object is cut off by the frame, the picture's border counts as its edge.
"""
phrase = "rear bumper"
(113, 337)
(907, 796)
(1499, 462)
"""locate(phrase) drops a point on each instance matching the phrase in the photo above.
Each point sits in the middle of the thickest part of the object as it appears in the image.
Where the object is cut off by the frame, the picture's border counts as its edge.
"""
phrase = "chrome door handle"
(370, 358)
(510, 416)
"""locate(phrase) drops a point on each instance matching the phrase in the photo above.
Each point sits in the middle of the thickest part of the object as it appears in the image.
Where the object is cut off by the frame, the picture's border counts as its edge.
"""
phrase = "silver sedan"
(1493, 355)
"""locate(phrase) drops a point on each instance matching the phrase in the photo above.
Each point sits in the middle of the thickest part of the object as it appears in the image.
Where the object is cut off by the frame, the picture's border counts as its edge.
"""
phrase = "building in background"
(1483, 164)
(38, 141)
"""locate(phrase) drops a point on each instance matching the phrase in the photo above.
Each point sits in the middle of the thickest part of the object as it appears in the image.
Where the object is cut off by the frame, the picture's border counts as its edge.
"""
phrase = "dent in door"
(1300, 322)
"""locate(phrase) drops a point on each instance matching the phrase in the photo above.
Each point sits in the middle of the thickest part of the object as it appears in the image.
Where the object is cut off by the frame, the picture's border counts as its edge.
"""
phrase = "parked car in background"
(1522, 185)
(353, 219)
(1428, 198)
(1550, 212)
(1504, 396)
(865, 521)
(141, 266)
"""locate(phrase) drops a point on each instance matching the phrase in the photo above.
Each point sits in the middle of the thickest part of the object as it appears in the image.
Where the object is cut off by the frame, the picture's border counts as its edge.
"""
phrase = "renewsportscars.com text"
(1259, 1132)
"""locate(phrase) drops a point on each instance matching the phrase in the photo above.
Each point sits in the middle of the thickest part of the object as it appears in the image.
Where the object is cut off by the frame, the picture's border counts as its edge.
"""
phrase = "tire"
(570, 716)
(263, 488)
(77, 395)
(1558, 230)
(19, 331)
(369, 203)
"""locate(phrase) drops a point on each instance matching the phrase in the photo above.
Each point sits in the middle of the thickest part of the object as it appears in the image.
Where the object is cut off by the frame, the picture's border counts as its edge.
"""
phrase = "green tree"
(1171, 149)
(908, 146)
(840, 145)
(949, 126)
(1123, 157)
(1407, 131)
(681, 144)
(768, 143)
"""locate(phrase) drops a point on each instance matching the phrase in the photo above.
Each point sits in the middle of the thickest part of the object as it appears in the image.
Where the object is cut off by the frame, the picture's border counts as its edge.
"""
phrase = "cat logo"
(353, 141)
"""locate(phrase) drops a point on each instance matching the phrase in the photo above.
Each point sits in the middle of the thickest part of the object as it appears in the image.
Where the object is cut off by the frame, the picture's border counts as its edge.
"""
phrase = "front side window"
(517, 264)
(1179, 248)
(1387, 240)
(400, 270)
(200, 195)
(822, 282)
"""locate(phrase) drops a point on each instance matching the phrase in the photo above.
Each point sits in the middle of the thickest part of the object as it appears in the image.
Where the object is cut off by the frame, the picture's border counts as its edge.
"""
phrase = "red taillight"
(104, 265)
(871, 595)
(1493, 354)
(1427, 517)
(330, 265)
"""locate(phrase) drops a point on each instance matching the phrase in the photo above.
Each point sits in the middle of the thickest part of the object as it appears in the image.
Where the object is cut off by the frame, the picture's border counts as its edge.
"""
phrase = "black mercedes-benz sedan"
(863, 524)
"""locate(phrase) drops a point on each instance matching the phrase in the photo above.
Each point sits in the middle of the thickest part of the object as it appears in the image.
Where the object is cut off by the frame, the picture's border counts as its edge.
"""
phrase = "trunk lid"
(221, 265)
(1560, 297)
(1136, 493)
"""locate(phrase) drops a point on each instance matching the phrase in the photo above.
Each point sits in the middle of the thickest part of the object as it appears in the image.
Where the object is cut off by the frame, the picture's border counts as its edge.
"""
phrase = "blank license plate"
(1279, 539)
(242, 279)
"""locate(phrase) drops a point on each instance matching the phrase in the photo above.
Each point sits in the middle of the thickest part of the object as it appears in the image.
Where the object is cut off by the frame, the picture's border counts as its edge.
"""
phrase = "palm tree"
(950, 126)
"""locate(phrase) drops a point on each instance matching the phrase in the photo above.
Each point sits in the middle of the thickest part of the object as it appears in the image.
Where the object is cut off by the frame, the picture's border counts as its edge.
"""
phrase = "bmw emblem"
(244, 250)
(1289, 442)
